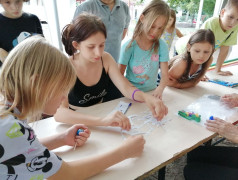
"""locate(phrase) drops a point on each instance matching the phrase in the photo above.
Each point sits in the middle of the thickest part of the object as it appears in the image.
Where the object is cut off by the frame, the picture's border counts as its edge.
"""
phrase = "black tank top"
(84, 96)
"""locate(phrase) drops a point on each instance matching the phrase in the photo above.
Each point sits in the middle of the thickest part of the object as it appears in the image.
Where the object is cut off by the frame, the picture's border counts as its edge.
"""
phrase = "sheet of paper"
(122, 107)
(144, 123)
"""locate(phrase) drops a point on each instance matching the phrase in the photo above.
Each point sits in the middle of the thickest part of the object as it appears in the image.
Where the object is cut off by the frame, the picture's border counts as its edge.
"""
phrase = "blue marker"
(78, 131)
(211, 118)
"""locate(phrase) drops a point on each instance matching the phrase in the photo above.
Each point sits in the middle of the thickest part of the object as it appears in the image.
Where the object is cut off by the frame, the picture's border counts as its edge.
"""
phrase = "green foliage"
(208, 7)
(137, 2)
(192, 6)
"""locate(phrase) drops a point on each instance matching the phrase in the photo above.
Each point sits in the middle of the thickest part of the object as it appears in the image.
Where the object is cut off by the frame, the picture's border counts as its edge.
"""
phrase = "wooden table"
(163, 145)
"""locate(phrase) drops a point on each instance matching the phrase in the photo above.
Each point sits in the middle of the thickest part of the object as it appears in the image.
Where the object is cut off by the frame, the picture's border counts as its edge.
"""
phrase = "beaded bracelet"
(133, 94)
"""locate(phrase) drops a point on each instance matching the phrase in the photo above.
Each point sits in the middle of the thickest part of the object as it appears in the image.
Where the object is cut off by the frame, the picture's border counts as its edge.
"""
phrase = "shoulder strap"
(229, 35)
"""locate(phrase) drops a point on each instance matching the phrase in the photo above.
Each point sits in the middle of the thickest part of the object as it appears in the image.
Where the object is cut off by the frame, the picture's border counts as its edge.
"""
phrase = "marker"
(78, 131)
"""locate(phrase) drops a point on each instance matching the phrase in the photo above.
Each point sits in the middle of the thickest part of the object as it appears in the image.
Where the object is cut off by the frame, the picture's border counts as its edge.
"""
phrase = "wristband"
(133, 94)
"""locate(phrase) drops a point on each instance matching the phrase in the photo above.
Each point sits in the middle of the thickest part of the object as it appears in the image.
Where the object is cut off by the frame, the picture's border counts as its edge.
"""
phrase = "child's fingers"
(80, 142)
(160, 111)
(225, 73)
(83, 134)
(78, 138)
(127, 123)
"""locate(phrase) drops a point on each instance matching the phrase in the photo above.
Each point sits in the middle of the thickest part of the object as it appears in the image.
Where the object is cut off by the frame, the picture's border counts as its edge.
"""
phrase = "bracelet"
(133, 94)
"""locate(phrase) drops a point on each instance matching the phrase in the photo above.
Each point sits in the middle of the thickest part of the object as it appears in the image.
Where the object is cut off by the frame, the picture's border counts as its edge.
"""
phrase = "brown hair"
(202, 35)
(151, 12)
(80, 29)
(173, 15)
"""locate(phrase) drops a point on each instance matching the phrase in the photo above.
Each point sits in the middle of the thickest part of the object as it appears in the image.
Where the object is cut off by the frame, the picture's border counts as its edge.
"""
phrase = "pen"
(127, 108)
(78, 131)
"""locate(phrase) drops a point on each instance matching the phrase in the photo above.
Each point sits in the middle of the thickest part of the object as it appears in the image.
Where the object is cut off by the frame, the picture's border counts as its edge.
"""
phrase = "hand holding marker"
(77, 134)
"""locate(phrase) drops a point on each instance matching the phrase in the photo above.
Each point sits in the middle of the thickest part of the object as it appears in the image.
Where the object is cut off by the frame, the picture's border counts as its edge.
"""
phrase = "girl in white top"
(35, 78)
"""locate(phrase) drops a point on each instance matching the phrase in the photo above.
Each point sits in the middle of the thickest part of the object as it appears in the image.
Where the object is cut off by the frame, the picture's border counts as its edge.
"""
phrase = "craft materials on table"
(223, 83)
(206, 106)
(190, 115)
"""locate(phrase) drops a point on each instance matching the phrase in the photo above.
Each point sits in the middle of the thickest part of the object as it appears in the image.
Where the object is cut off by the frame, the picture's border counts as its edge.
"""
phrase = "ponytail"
(67, 40)
(80, 29)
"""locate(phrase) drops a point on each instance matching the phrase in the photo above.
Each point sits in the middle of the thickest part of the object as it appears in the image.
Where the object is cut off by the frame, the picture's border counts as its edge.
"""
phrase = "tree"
(135, 2)
(192, 6)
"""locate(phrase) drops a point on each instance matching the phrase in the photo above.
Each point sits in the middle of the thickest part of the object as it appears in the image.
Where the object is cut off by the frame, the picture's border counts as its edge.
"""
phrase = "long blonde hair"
(33, 72)
(151, 12)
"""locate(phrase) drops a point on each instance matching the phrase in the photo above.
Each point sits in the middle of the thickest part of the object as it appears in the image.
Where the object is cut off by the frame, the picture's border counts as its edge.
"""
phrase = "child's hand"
(3, 54)
(230, 99)
(224, 73)
(133, 146)
(70, 136)
(205, 78)
(117, 119)
(158, 93)
(157, 107)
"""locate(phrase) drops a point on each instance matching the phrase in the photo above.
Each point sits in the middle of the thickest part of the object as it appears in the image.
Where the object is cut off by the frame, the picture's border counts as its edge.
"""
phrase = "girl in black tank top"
(84, 40)
(84, 96)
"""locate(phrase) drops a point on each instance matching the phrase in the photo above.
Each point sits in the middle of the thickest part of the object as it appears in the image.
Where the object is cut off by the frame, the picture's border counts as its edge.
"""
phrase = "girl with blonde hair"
(144, 54)
(35, 78)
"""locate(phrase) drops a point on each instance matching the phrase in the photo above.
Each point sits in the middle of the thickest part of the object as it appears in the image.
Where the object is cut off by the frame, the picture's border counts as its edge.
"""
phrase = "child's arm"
(66, 115)
(125, 55)
(178, 33)
(87, 167)
(187, 84)
(3, 54)
(220, 60)
(122, 68)
(67, 138)
(159, 110)
(177, 73)
(164, 80)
